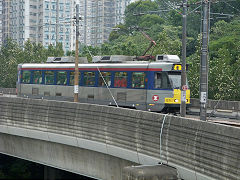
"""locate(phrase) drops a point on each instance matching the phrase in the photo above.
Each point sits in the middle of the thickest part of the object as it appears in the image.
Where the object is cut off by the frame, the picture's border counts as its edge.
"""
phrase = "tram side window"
(49, 77)
(89, 79)
(71, 82)
(120, 79)
(26, 76)
(106, 76)
(61, 78)
(138, 79)
(37, 77)
(161, 80)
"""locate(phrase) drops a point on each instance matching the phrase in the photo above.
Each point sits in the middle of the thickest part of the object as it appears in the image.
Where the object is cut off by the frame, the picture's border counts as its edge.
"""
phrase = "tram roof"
(165, 66)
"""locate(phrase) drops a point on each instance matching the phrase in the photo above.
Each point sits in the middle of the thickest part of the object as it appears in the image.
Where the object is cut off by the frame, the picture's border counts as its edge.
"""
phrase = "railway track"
(225, 117)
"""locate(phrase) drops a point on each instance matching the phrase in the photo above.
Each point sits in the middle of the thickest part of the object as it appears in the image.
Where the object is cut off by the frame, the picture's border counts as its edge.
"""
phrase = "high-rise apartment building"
(120, 9)
(98, 19)
(51, 21)
(1, 22)
(5, 19)
(58, 14)
(37, 21)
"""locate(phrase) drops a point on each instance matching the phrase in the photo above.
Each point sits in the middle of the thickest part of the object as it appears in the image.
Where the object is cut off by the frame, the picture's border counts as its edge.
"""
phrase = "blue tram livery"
(144, 85)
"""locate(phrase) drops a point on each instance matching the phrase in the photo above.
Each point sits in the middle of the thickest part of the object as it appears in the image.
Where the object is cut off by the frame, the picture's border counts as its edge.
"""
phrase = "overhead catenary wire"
(194, 9)
(172, 6)
(104, 80)
(231, 6)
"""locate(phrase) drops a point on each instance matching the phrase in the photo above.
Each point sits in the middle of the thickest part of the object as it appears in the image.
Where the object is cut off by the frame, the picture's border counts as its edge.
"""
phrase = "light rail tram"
(144, 85)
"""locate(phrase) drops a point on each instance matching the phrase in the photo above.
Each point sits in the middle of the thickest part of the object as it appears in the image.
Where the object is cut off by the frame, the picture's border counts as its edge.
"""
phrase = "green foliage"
(226, 36)
(165, 28)
(193, 73)
(33, 52)
(11, 54)
(224, 63)
(224, 66)
(134, 12)
(221, 84)
(168, 41)
(9, 58)
(174, 18)
(55, 51)
(149, 20)
(127, 45)
(118, 31)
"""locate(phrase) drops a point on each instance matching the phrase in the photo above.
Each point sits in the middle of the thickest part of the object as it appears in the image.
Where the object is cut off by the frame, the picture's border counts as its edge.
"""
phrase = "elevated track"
(198, 149)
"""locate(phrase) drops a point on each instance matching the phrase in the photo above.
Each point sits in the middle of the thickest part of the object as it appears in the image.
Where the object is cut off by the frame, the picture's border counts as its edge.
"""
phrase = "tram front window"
(175, 78)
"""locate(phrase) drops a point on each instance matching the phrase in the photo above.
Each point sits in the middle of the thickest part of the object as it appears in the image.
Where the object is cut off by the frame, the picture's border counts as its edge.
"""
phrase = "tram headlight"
(176, 100)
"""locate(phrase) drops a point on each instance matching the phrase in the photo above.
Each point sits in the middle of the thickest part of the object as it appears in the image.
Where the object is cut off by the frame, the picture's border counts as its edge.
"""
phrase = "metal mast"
(183, 73)
(76, 79)
(204, 63)
(57, 21)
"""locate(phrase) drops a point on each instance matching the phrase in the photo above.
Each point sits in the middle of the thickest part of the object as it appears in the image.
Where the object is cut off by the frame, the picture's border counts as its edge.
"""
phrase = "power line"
(231, 6)
(172, 6)
(194, 10)
(134, 6)
(151, 12)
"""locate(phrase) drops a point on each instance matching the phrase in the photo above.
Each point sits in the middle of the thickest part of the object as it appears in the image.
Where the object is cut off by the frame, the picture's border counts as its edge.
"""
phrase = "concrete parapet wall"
(8, 91)
(198, 149)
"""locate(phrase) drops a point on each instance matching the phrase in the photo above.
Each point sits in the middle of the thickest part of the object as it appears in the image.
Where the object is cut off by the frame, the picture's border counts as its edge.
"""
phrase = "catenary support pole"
(204, 63)
(57, 22)
(183, 73)
(76, 75)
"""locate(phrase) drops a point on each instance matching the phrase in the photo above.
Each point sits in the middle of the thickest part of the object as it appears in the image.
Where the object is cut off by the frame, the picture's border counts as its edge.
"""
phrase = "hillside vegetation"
(162, 21)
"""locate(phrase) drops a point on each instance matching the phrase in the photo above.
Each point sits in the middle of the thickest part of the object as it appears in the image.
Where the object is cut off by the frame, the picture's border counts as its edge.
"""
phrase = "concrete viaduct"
(99, 141)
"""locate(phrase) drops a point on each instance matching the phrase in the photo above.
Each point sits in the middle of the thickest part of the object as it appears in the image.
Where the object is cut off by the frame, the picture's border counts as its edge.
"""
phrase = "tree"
(222, 84)
(40, 53)
(224, 60)
(11, 54)
(227, 36)
(55, 51)
(9, 59)
(33, 52)
(134, 13)
(59, 50)
(194, 72)
(119, 30)
(224, 71)
(168, 41)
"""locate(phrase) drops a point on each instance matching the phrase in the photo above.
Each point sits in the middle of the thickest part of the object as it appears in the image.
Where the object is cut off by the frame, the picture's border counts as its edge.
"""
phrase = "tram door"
(161, 89)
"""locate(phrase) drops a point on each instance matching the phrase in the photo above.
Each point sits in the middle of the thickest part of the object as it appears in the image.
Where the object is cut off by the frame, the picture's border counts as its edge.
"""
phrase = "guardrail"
(195, 148)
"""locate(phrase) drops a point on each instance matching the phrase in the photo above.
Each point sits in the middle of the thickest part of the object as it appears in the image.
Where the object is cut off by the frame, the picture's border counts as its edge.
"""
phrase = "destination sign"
(178, 67)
